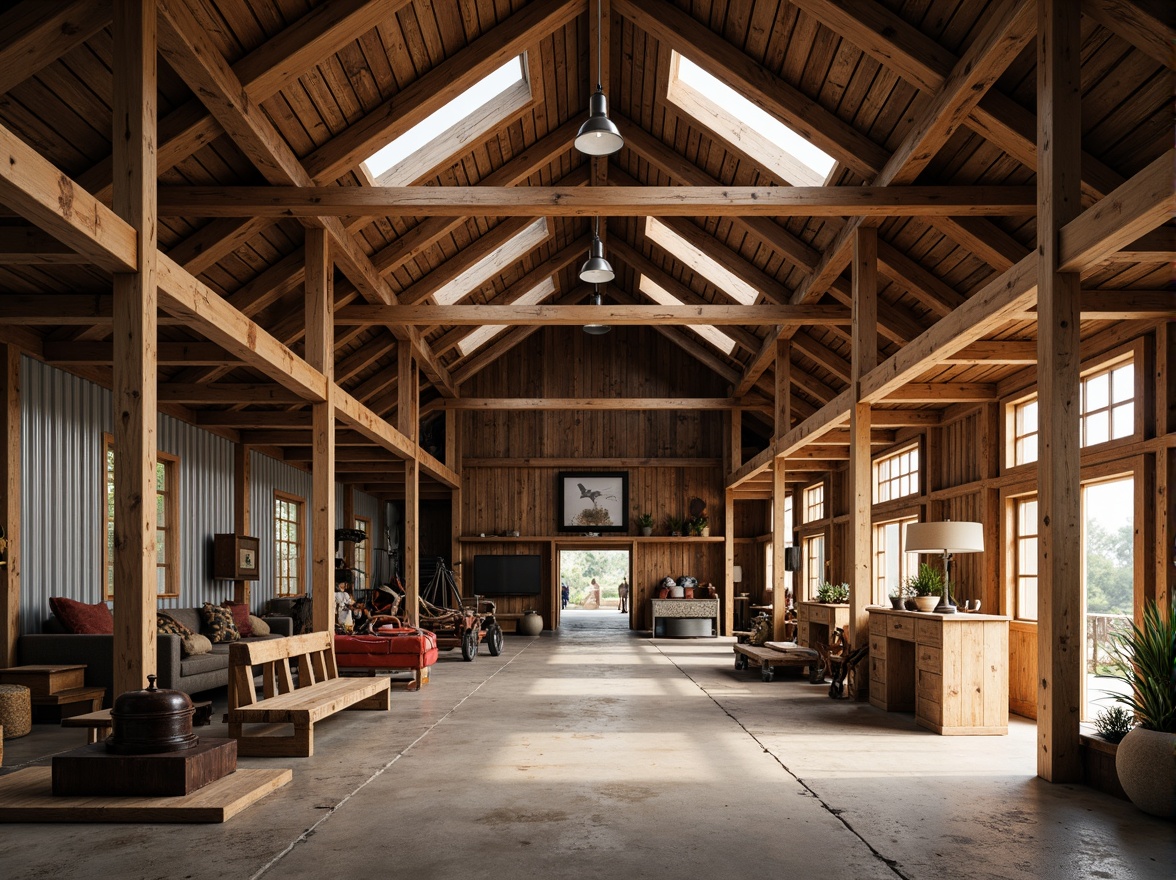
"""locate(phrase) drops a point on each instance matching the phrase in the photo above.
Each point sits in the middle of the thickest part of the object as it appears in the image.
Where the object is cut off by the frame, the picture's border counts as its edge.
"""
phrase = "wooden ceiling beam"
(237, 392)
(31, 246)
(619, 314)
(746, 271)
(1151, 34)
(304, 201)
(254, 419)
(351, 412)
(442, 83)
(595, 403)
(191, 53)
(936, 295)
(37, 33)
(372, 453)
(676, 29)
(822, 354)
(942, 392)
(264, 72)
(1157, 246)
(980, 353)
(985, 240)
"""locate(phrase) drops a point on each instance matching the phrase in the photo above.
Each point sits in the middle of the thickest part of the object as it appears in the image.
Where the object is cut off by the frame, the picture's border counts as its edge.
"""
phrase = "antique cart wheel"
(740, 661)
(469, 645)
(494, 639)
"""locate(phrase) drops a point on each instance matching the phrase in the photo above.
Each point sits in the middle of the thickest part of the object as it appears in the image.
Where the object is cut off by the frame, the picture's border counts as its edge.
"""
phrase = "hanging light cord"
(599, 40)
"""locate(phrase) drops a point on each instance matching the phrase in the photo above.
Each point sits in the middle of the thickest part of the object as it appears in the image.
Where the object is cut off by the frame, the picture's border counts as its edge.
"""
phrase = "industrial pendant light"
(596, 329)
(598, 136)
(596, 269)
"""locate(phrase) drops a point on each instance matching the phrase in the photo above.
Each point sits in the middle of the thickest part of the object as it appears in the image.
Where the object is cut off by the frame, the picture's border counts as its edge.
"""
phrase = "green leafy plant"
(1113, 724)
(697, 524)
(1146, 661)
(645, 520)
(833, 594)
(674, 525)
(928, 582)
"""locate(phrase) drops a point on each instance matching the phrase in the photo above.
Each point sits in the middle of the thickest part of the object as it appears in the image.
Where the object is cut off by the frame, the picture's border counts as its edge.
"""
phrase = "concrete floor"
(597, 753)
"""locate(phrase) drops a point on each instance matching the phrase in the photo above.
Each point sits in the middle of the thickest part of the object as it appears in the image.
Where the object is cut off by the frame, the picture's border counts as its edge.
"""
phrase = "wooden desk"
(683, 608)
(952, 670)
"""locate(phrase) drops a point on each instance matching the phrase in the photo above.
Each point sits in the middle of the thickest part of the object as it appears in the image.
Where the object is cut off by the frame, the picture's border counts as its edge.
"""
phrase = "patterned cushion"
(259, 626)
(240, 617)
(218, 623)
(167, 625)
(78, 617)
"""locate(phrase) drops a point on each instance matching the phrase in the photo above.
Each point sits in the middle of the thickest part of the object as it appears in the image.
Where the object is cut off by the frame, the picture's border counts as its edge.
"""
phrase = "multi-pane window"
(1025, 432)
(769, 566)
(1106, 411)
(167, 544)
(1025, 553)
(814, 503)
(288, 559)
(814, 564)
(896, 475)
(1108, 404)
(362, 556)
(891, 565)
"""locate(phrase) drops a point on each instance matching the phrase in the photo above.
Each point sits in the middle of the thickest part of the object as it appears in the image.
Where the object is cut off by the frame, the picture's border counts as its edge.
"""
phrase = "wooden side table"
(56, 685)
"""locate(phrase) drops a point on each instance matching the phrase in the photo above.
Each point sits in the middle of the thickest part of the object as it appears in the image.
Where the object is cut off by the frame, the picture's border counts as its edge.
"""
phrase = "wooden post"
(408, 400)
(135, 340)
(320, 354)
(733, 460)
(453, 461)
(348, 523)
(865, 358)
(1165, 581)
(10, 511)
(728, 561)
(1059, 582)
(782, 423)
(242, 503)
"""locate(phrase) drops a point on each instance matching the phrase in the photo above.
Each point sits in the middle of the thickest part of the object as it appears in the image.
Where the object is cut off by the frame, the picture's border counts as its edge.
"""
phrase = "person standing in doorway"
(564, 593)
(623, 592)
(594, 594)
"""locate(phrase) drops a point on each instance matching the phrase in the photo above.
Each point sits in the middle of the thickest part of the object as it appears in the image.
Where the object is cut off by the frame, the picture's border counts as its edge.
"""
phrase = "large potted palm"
(1146, 758)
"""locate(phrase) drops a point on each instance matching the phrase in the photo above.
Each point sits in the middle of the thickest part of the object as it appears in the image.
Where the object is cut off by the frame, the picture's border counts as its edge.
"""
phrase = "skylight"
(713, 335)
(688, 255)
(462, 121)
(493, 263)
(757, 133)
(482, 335)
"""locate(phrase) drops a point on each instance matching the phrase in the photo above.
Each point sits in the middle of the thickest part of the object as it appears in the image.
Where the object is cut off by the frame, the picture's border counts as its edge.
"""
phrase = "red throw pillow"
(240, 617)
(80, 618)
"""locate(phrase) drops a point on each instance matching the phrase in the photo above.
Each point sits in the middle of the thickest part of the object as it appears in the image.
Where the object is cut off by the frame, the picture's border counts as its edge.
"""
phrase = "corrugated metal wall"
(63, 422)
(270, 474)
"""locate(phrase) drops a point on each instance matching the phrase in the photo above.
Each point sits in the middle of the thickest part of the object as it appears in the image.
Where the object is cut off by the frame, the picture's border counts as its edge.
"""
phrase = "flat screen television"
(508, 575)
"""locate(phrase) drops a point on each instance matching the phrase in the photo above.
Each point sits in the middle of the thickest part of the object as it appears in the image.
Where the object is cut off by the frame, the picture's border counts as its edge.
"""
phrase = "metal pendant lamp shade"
(596, 329)
(596, 269)
(598, 136)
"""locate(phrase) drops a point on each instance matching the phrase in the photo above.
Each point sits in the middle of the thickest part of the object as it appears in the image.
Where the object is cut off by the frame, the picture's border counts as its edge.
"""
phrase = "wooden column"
(242, 503)
(865, 358)
(135, 340)
(1165, 508)
(408, 401)
(453, 462)
(10, 510)
(1059, 579)
(733, 458)
(728, 623)
(320, 354)
(349, 523)
(782, 422)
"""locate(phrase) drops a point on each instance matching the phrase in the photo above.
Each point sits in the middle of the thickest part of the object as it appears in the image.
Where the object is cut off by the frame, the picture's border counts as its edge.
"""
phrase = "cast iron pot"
(150, 721)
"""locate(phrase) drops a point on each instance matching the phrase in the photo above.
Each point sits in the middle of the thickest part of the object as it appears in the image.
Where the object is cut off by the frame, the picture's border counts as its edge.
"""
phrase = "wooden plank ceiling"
(925, 92)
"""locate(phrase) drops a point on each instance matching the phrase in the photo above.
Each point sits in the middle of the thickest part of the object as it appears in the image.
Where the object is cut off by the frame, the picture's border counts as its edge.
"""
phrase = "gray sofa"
(176, 672)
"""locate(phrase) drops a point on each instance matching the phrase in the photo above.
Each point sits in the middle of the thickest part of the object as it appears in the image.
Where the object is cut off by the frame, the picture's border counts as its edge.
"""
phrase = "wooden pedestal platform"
(25, 797)
(92, 770)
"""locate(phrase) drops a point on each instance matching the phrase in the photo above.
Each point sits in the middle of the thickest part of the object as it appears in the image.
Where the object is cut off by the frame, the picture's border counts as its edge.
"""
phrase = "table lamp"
(947, 538)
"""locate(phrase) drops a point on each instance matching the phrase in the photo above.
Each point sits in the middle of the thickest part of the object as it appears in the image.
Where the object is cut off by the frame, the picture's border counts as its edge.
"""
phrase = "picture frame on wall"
(593, 501)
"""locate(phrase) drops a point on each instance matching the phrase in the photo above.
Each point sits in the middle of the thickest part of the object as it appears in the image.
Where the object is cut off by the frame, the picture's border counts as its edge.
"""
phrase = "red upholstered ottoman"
(391, 648)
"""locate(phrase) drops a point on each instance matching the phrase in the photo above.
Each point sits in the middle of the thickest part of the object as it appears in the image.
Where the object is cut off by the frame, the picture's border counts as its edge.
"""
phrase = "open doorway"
(590, 582)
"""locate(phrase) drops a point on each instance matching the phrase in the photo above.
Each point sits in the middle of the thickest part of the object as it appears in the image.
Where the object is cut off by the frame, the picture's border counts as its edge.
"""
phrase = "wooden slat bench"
(780, 654)
(319, 694)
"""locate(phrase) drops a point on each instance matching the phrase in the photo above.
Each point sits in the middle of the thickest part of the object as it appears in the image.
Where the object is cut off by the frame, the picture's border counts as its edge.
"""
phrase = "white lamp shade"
(737, 574)
(944, 537)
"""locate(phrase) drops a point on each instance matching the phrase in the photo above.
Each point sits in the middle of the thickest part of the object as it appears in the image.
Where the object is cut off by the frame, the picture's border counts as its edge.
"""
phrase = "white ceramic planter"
(530, 624)
(1146, 764)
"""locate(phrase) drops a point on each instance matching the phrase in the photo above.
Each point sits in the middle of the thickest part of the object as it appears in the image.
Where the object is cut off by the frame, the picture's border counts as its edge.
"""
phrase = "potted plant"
(833, 594)
(1146, 662)
(700, 526)
(674, 525)
(898, 596)
(645, 521)
(925, 587)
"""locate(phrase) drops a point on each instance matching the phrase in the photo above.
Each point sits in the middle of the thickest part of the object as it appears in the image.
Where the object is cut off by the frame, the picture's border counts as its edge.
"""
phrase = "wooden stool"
(16, 710)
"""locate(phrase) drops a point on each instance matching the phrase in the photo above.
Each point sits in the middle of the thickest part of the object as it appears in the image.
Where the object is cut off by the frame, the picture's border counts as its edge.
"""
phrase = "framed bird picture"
(593, 501)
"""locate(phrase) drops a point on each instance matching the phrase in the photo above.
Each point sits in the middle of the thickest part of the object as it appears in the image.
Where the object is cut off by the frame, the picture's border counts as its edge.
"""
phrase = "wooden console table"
(951, 669)
(816, 621)
(683, 608)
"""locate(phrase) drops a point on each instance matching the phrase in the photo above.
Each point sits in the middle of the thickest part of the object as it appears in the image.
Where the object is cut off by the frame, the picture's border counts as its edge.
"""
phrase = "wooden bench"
(319, 694)
(780, 654)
